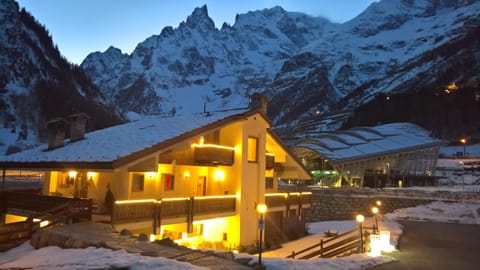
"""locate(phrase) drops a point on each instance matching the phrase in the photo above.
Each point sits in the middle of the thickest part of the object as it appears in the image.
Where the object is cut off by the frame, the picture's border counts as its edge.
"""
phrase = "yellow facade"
(148, 178)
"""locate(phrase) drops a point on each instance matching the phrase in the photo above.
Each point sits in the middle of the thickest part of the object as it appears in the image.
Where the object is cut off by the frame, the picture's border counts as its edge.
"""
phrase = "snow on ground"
(26, 256)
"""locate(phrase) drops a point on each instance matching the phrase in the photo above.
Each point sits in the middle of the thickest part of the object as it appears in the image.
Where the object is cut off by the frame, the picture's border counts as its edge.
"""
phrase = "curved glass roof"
(365, 142)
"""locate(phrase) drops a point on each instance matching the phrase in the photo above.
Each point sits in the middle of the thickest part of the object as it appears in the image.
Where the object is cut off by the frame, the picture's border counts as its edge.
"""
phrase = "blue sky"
(80, 27)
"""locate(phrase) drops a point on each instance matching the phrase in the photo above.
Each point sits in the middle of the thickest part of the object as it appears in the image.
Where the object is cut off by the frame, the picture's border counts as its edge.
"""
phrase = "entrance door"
(201, 186)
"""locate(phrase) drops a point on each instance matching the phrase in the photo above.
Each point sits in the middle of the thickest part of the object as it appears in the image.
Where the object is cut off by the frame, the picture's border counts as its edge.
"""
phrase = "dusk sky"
(80, 27)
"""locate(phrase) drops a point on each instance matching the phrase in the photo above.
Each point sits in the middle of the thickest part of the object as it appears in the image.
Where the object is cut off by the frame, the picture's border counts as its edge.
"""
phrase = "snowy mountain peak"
(200, 18)
(303, 64)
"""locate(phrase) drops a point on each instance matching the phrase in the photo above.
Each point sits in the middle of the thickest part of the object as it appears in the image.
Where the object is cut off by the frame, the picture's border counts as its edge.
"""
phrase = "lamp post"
(261, 209)
(375, 212)
(463, 175)
(360, 220)
(464, 142)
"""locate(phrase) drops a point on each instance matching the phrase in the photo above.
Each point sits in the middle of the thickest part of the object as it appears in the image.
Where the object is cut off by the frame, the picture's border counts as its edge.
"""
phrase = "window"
(138, 181)
(169, 181)
(64, 180)
(252, 149)
(269, 182)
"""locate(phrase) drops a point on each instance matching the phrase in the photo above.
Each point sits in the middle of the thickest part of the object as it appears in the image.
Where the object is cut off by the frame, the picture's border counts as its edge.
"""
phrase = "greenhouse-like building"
(390, 155)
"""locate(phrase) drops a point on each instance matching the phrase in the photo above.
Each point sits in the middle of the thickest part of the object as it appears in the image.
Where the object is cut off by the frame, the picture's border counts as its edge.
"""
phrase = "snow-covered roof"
(367, 142)
(114, 143)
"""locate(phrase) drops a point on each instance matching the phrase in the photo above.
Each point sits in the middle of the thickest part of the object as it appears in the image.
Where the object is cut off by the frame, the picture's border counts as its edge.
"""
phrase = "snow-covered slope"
(306, 65)
(37, 83)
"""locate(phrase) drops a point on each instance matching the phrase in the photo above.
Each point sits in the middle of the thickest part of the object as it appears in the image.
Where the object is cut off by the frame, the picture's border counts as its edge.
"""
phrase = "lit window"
(252, 149)
(169, 181)
(138, 182)
(65, 180)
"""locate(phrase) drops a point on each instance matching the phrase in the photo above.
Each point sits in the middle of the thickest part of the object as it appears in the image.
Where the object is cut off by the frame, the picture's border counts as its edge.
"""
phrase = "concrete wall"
(345, 204)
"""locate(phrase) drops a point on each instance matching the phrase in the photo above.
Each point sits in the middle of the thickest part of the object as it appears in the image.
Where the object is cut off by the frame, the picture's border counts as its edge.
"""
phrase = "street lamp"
(378, 203)
(375, 212)
(261, 209)
(464, 142)
(360, 220)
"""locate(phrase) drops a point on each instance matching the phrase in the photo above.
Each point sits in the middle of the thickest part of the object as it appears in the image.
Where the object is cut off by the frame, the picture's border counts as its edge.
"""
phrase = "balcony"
(187, 209)
(210, 154)
(201, 154)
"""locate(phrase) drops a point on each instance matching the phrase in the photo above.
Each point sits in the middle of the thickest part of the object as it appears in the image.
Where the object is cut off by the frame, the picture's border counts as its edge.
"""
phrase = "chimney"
(258, 102)
(78, 123)
(56, 133)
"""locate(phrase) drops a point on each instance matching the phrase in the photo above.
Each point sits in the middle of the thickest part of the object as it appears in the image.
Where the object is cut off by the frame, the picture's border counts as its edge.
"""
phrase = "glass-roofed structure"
(398, 154)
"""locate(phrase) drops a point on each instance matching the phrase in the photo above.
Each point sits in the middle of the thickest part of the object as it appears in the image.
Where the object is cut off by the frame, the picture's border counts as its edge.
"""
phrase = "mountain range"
(393, 62)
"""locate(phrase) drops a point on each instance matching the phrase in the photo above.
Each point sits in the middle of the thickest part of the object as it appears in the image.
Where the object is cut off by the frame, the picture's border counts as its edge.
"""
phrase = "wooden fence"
(347, 242)
(39, 208)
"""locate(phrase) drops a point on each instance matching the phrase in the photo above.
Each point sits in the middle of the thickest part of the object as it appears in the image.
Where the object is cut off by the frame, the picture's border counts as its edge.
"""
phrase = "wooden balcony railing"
(204, 154)
(131, 211)
(211, 205)
(288, 200)
(213, 155)
(76, 208)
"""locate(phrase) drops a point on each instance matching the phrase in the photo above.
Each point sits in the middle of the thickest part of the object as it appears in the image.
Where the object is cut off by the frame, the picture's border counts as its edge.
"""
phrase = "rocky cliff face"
(38, 84)
(317, 75)
(312, 70)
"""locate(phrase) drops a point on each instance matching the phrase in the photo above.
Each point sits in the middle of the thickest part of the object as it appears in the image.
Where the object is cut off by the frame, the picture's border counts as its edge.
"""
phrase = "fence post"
(321, 247)
(293, 254)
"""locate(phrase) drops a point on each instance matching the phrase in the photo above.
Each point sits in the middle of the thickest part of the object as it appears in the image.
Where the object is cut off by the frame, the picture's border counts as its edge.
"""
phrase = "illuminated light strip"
(176, 199)
(306, 193)
(215, 197)
(270, 154)
(135, 201)
(295, 193)
(213, 146)
(275, 194)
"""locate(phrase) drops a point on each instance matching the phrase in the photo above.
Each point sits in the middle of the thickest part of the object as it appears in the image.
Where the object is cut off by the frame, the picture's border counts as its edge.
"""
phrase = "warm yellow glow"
(375, 245)
(270, 154)
(294, 193)
(150, 175)
(252, 149)
(135, 201)
(44, 223)
(186, 175)
(360, 218)
(385, 241)
(213, 146)
(463, 140)
(306, 193)
(374, 210)
(276, 194)
(285, 195)
(176, 199)
(72, 174)
(379, 203)
(152, 237)
(262, 208)
(90, 175)
(219, 175)
(215, 197)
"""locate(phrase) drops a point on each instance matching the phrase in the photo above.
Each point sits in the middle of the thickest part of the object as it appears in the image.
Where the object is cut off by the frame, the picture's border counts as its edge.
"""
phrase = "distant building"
(391, 155)
(196, 179)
